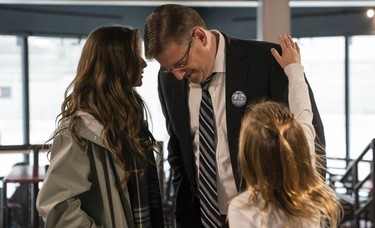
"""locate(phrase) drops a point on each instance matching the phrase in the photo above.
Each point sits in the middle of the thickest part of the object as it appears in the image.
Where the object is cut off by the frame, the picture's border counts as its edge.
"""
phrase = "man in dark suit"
(245, 72)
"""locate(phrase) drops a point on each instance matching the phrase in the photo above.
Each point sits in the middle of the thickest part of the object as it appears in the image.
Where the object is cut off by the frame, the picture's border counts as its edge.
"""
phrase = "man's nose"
(179, 74)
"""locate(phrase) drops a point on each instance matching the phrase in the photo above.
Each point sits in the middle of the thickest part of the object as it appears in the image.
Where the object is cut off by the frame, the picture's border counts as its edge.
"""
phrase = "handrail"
(354, 163)
(359, 207)
(351, 176)
(35, 148)
(24, 147)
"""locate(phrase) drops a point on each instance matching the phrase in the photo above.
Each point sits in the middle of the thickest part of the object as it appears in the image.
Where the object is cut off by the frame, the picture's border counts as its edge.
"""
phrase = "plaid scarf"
(144, 189)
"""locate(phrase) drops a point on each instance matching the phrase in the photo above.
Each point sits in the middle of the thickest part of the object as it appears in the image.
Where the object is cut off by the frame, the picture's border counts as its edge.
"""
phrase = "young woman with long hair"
(102, 171)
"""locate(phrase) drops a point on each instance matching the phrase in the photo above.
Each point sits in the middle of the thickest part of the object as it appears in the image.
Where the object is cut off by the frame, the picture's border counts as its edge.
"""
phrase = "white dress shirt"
(226, 185)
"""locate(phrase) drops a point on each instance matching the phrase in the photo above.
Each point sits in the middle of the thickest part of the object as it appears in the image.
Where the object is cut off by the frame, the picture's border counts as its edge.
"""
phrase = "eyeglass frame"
(185, 59)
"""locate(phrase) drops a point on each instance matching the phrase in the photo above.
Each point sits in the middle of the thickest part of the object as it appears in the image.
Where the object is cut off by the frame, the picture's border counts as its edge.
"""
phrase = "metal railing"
(25, 149)
(358, 199)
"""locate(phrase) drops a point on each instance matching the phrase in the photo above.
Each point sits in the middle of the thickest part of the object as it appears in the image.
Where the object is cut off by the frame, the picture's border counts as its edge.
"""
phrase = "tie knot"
(207, 82)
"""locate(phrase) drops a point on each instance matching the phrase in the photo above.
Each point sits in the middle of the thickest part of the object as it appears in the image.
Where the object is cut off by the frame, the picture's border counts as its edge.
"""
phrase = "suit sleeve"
(187, 210)
(174, 152)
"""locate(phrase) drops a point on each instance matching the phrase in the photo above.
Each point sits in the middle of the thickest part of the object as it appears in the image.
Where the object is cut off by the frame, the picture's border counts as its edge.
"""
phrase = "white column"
(273, 18)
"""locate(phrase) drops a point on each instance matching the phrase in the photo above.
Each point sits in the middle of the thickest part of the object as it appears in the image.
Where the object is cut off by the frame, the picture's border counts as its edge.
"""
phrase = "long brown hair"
(104, 87)
(274, 159)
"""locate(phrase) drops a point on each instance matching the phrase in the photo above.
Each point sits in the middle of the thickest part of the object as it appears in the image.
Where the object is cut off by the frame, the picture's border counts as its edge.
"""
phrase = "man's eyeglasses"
(182, 63)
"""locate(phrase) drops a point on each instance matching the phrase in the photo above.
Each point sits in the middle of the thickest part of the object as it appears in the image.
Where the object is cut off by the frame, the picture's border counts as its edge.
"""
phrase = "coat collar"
(91, 123)
(91, 129)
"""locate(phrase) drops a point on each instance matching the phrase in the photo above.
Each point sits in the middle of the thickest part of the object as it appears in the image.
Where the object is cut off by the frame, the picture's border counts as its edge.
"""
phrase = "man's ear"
(200, 34)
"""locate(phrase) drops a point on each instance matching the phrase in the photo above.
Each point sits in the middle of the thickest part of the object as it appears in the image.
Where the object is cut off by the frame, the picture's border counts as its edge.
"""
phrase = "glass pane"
(11, 128)
(149, 93)
(53, 63)
(361, 96)
(323, 59)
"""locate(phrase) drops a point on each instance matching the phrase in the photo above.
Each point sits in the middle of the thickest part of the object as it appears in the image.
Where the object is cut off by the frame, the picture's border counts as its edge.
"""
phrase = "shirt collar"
(219, 65)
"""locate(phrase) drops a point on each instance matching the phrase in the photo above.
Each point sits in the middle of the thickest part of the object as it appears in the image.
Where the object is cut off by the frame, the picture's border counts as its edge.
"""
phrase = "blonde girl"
(276, 158)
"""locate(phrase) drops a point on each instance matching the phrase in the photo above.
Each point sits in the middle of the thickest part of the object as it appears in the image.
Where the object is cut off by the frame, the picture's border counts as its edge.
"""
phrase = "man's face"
(185, 60)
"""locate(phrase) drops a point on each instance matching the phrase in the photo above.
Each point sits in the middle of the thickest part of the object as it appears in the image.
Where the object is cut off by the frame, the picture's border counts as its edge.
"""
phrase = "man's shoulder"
(231, 41)
(250, 48)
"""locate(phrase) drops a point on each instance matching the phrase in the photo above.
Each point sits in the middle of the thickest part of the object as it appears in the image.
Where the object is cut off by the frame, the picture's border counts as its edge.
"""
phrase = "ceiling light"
(370, 13)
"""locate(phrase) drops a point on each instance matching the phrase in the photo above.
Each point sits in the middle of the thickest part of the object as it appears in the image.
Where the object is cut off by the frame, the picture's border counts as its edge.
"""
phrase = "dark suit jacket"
(251, 68)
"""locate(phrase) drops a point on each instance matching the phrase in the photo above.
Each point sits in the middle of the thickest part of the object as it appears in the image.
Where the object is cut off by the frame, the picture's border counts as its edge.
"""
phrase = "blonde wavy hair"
(275, 161)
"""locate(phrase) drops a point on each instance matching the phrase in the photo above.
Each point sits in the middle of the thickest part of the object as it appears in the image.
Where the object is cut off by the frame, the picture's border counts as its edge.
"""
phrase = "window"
(323, 59)
(11, 101)
(53, 63)
(361, 95)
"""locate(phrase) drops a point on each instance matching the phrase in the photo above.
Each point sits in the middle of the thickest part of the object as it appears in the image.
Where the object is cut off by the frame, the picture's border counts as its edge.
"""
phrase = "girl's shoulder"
(245, 213)
(241, 199)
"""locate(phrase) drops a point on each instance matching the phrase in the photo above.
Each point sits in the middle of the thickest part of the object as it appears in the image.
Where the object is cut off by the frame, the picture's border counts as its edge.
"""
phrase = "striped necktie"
(210, 213)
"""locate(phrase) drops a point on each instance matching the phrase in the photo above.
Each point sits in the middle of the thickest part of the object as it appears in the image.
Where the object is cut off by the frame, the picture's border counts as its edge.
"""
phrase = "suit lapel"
(236, 72)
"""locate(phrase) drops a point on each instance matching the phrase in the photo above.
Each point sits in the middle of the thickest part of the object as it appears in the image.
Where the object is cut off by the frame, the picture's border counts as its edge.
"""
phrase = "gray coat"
(79, 190)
